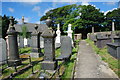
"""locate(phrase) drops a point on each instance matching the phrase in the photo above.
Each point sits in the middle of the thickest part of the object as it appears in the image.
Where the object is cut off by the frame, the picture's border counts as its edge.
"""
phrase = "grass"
(106, 57)
(57, 52)
(25, 50)
(36, 64)
(69, 65)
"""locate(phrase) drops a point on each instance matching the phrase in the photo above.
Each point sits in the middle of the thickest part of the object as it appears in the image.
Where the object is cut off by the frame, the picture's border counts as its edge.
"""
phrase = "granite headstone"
(3, 51)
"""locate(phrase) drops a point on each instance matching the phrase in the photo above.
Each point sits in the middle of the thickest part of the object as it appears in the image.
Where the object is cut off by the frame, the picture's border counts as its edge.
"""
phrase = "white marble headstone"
(25, 42)
(58, 34)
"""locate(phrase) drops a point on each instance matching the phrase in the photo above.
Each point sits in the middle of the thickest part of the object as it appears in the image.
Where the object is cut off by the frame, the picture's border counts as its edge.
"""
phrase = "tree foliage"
(113, 15)
(90, 16)
(4, 24)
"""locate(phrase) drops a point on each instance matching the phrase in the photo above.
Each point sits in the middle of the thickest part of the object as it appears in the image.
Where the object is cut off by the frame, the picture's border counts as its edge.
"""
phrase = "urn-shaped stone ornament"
(48, 22)
(36, 26)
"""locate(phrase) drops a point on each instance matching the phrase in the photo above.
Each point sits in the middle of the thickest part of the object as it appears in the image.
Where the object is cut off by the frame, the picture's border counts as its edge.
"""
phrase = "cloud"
(26, 19)
(47, 10)
(11, 10)
(38, 22)
(85, 2)
(110, 3)
(109, 11)
(36, 8)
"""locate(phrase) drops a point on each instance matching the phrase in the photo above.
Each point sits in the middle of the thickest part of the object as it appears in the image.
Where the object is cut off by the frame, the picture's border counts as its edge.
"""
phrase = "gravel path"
(89, 64)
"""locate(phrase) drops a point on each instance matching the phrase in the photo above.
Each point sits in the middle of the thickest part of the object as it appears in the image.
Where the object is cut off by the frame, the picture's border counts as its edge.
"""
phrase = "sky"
(33, 11)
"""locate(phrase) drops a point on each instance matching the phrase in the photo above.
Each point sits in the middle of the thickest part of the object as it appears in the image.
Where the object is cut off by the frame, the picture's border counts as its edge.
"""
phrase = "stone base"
(57, 45)
(49, 65)
(12, 62)
(36, 55)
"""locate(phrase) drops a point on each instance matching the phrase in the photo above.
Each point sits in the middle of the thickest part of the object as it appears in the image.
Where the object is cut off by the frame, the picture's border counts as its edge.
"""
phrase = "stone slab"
(3, 51)
(48, 65)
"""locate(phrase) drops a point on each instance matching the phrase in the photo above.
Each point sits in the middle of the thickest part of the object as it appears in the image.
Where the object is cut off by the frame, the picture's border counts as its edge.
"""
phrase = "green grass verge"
(25, 50)
(69, 65)
(106, 57)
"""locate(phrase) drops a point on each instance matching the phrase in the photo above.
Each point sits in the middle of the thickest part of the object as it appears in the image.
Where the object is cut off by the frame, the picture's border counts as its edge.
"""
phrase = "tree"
(90, 17)
(5, 25)
(59, 15)
(24, 31)
(113, 15)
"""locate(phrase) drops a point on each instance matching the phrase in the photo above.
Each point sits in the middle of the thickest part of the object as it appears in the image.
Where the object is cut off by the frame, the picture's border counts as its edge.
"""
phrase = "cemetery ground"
(89, 65)
(31, 67)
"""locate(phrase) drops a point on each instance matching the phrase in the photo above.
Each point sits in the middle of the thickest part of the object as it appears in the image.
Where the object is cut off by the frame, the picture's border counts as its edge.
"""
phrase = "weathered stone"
(66, 48)
(57, 39)
(77, 36)
(3, 51)
(49, 62)
(13, 45)
(36, 51)
(114, 50)
(29, 42)
(101, 43)
(21, 42)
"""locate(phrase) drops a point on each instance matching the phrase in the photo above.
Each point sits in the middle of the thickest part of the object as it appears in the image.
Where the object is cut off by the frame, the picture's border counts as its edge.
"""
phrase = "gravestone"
(35, 43)
(3, 51)
(69, 32)
(13, 45)
(41, 42)
(114, 50)
(29, 42)
(21, 42)
(25, 42)
(66, 48)
(18, 40)
(57, 40)
(49, 35)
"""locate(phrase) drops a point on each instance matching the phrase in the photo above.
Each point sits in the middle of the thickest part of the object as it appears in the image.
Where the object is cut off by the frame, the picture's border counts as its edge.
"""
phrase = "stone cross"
(69, 32)
(12, 44)
(57, 41)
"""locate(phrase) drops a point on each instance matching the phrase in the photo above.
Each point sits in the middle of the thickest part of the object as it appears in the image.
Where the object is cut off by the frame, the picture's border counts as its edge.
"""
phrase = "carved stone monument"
(36, 43)
(49, 35)
(12, 44)
(57, 40)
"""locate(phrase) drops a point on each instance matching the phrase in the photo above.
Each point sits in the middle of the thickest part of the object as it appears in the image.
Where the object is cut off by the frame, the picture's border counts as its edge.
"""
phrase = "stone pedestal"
(49, 62)
(13, 45)
(49, 65)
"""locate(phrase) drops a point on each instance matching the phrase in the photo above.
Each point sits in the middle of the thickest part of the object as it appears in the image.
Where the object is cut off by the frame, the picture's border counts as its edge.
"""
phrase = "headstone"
(3, 51)
(21, 42)
(41, 42)
(35, 43)
(13, 45)
(18, 40)
(69, 32)
(49, 35)
(25, 42)
(57, 41)
(29, 42)
(93, 30)
(66, 47)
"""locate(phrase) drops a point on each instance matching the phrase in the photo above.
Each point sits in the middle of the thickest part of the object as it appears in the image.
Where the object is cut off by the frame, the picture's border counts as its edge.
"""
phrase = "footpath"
(90, 66)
